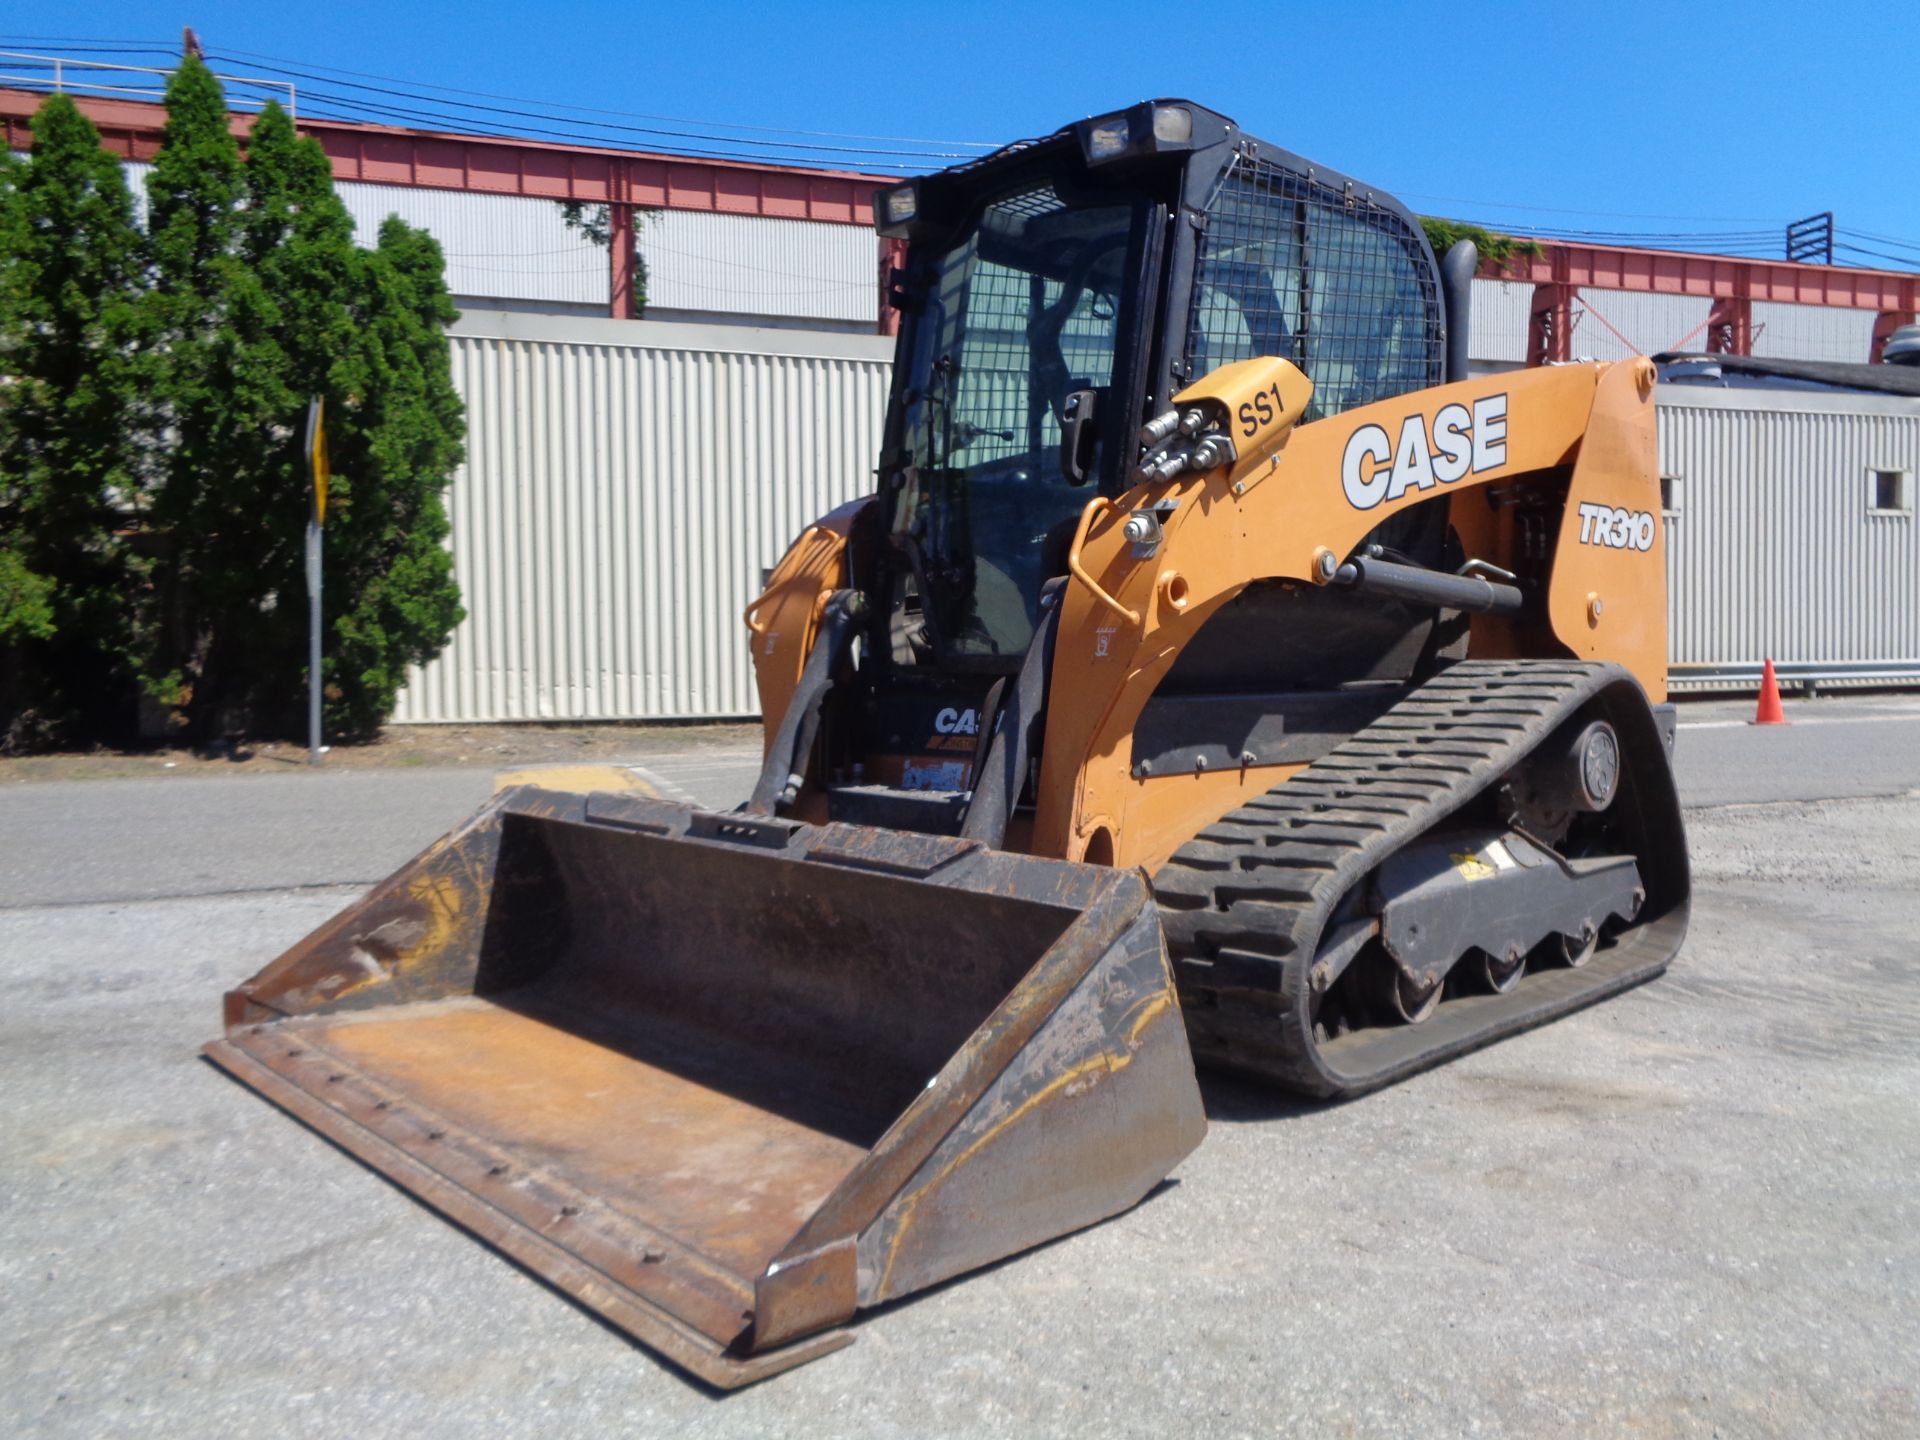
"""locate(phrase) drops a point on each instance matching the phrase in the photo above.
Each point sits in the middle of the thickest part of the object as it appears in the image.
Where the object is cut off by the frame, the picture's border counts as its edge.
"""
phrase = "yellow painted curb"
(577, 779)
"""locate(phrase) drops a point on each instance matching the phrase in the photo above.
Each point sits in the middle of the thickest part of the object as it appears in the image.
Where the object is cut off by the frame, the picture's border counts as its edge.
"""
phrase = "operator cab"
(1055, 295)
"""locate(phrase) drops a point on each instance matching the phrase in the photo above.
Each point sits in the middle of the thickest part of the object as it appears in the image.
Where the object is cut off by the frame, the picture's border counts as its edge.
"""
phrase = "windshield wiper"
(958, 434)
(940, 422)
(966, 432)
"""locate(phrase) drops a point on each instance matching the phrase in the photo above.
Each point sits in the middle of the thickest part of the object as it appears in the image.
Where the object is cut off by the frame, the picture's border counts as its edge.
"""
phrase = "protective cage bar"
(1340, 285)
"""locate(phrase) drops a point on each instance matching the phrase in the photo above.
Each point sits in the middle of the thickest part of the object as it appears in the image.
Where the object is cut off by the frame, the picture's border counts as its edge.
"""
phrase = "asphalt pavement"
(1834, 748)
(1689, 1211)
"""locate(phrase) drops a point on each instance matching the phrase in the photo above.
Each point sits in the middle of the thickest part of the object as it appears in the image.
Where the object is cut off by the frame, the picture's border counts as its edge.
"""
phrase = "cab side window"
(1338, 285)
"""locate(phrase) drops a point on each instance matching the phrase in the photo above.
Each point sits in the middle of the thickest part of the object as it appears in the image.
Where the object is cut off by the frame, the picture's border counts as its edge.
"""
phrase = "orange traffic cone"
(1769, 712)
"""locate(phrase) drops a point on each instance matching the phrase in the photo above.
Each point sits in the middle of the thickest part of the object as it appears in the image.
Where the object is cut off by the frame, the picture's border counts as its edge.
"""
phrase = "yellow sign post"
(317, 456)
(319, 472)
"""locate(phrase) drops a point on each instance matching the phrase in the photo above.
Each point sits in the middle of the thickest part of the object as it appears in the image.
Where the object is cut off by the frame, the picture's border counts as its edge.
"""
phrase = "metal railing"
(1805, 675)
(61, 74)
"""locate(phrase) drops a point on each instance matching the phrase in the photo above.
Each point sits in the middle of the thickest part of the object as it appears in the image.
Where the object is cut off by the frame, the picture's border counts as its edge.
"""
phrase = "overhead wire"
(702, 139)
(757, 143)
(1909, 261)
(1604, 214)
(440, 107)
(1913, 245)
(132, 47)
(625, 114)
(1848, 233)
(321, 105)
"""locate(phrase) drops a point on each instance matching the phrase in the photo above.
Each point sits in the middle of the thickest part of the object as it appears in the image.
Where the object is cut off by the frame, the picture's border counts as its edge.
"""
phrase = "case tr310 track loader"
(1217, 671)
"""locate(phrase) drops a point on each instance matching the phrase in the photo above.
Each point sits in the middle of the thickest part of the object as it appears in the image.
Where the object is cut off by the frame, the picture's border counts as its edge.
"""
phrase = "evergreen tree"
(153, 405)
(292, 327)
(70, 423)
(264, 302)
(398, 443)
(205, 506)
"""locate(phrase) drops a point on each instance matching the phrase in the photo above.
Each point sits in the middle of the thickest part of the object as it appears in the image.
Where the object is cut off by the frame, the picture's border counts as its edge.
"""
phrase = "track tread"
(1241, 935)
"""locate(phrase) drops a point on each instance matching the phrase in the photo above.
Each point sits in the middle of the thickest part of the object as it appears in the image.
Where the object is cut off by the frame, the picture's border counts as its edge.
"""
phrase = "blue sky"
(1649, 119)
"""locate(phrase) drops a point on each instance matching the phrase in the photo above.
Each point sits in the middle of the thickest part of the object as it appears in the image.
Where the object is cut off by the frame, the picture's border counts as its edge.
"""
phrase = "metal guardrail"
(1799, 674)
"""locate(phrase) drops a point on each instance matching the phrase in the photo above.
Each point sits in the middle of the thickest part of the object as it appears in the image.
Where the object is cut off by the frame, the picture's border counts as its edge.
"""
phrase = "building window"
(1889, 492)
(1670, 494)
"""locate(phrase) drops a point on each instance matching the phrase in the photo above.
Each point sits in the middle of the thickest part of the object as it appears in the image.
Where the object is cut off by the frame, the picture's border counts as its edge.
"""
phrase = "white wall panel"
(507, 246)
(1811, 332)
(498, 246)
(625, 486)
(136, 172)
(745, 264)
(1497, 320)
(1647, 323)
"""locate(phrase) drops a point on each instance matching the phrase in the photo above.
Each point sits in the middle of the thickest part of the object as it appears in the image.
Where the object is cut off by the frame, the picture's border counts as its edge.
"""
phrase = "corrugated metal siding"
(618, 505)
(1654, 323)
(509, 247)
(1773, 553)
(136, 172)
(1498, 317)
(504, 247)
(1811, 332)
(621, 500)
(1651, 323)
(743, 264)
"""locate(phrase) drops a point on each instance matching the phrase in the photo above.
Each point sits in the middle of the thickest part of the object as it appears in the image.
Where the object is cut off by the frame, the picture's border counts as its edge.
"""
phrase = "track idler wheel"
(1576, 950)
(1406, 998)
(1575, 772)
(1500, 973)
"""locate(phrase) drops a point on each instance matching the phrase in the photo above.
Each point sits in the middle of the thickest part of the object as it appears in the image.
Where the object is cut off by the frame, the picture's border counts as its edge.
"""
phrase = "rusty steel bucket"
(725, 1080)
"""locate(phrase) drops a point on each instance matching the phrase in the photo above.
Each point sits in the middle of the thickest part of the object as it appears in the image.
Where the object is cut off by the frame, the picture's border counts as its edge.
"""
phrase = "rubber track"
(1244, 903)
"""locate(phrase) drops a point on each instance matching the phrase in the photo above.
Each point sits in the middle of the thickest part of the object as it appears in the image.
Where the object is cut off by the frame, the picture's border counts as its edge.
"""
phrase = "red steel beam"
(1718, 277)
(620, 273)
(385, 155)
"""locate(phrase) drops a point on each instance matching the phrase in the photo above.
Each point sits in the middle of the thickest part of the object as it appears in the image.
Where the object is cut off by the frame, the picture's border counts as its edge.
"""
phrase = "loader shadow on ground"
(1231, 1100)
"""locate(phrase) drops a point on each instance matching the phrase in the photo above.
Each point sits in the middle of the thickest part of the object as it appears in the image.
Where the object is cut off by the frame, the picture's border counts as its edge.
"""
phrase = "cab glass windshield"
(1018, 314)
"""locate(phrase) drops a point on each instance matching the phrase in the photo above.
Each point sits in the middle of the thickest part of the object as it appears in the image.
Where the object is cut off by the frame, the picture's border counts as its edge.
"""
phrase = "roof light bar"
(1149, 129)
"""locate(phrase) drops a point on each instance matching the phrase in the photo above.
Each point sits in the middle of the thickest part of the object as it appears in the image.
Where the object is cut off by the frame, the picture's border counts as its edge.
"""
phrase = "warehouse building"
(628, 480)
(595, 592)
(1788, 491)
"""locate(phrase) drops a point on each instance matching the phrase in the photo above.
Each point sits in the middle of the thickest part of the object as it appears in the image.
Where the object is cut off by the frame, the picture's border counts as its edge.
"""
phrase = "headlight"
(1150, 128)
(1173, 124)
(901, 204)
(1107, 138)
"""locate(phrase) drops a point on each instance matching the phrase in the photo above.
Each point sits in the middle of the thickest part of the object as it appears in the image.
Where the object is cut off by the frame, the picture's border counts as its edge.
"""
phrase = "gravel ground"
(1690, 1211)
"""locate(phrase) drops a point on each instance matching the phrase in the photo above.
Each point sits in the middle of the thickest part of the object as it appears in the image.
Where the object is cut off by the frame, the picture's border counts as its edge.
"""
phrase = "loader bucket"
(727, 1080)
